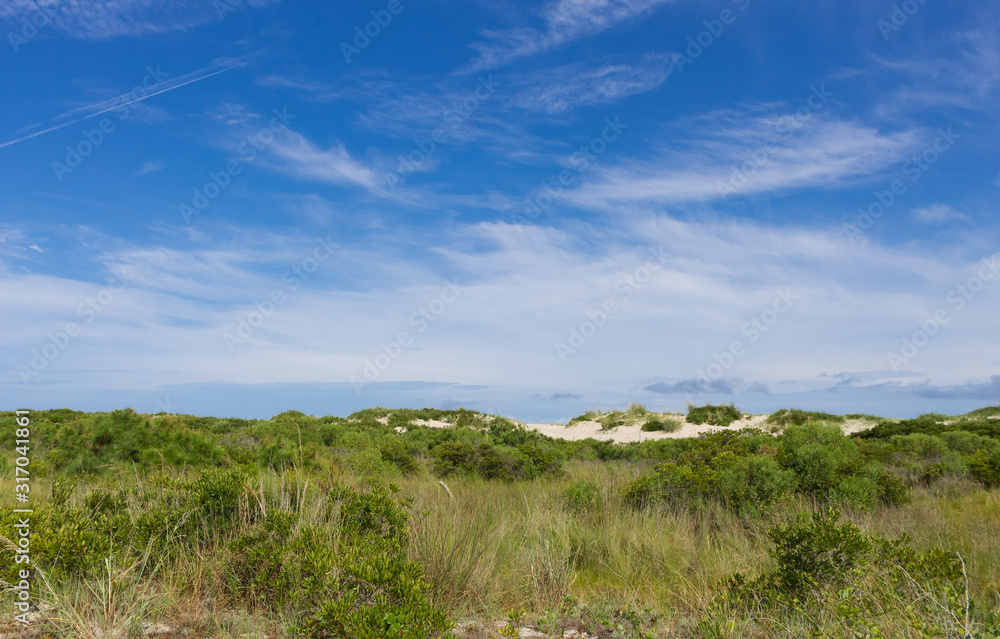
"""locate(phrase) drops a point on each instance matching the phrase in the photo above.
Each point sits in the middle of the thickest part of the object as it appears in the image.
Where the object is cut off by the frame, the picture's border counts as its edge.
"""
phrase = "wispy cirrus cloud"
(104, 19)
(565, 20)
(705, 152)
(296, 155)
(150, 166)
(937, 214)
(962, 72)
(562, 88)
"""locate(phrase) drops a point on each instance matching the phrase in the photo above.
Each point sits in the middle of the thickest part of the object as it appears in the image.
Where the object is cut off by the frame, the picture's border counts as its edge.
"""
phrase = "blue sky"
(529, 209)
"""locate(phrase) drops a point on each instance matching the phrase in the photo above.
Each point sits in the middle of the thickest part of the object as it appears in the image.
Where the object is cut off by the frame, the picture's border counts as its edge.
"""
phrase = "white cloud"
(586, 84)
(937, 214)
(150, 166)
(520, 293)
(103, 19)
(745, 153)
(565, 20)
(962, 72)
(300, 157)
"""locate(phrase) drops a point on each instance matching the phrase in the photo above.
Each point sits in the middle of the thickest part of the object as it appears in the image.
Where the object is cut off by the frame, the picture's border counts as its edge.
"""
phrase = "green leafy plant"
(720, 415)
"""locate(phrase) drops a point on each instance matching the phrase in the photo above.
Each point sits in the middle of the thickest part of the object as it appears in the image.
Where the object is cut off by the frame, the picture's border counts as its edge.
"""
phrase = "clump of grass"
(612, 421)
(784, 417)
(589, 416)
(636, 409)
(721, 415)
(660, 424)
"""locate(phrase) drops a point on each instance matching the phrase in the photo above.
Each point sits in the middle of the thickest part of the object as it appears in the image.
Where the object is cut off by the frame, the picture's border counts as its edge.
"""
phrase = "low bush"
(582, 496)
(785, 417)
(713, 415)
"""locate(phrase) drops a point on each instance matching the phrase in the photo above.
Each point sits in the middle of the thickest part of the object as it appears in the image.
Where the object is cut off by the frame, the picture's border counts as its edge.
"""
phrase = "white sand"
(627, 434)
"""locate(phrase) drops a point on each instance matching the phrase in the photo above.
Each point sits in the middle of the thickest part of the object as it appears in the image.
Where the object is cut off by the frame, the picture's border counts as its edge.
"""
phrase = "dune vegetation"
(422, 523)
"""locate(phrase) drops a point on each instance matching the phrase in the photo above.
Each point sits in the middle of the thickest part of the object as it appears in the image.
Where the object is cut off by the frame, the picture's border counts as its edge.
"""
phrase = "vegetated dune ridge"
(633, 433)
(492, 528)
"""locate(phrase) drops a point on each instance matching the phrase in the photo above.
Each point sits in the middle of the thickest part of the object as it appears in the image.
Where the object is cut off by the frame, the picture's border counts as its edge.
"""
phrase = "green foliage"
(755, 484)
(67, 541)
(504, 462)
(785, 417)
(612, 421)
(822, 564)
(714, 415)
(985, 467)
(820, 455)
(398, 454)
(655, 424)
(217, 492)
(582, 496)
(589, 416)
(636, 410)
(377, 591)
(256, 570)
(816, 552)
(980, 422)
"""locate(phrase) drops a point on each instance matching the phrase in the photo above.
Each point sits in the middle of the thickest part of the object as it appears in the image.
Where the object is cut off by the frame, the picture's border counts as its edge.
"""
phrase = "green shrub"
(856, 492)
(582, 496)
(819, 454)
(377, 591)
(985, 468)
(822, 564)
(919, 446)
(454, 457)
(890, 489)
(714, 415)
(968, 443)
(816, 552)
(754, 484)
(256, 571)
(217, 492)
(398, 454)
(655, 424)
(785, 417)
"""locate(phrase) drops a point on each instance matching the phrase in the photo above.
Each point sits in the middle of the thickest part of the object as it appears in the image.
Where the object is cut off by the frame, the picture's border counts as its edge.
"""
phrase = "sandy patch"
(852, 426)
(629, 434)
(432, 423)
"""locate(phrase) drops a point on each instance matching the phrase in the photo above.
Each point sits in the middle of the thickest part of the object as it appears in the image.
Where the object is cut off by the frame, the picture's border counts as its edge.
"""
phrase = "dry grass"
(494, 547)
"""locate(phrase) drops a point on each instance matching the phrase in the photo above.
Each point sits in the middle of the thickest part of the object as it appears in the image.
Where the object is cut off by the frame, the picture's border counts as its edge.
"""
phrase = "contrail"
(118, 106)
